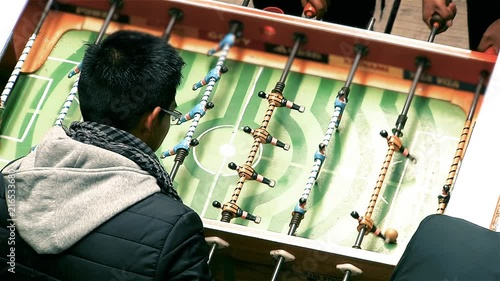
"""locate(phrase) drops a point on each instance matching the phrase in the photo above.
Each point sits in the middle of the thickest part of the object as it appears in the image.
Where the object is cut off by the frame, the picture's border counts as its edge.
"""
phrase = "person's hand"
(447, 13)
(491, 38)
(321, 6)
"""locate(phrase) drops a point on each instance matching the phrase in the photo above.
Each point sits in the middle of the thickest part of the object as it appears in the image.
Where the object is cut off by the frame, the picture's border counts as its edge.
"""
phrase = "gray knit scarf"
(125, 144)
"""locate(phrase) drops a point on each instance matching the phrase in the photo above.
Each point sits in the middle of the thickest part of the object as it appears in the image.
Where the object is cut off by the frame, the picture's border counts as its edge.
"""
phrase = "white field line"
(231, 140)
(35, 113)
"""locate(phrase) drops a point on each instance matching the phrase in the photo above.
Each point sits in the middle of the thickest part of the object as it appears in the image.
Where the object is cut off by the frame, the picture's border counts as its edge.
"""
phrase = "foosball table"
(310, 150)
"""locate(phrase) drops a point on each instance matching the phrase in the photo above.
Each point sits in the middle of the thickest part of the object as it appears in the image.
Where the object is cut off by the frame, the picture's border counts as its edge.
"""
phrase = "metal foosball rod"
(261, 136)
(115, 5)
(17, 68)
(175, 14)
(320, 155)
(392, 16)
(444, 196)
(365, 223)
(181, 150)
(246, 172)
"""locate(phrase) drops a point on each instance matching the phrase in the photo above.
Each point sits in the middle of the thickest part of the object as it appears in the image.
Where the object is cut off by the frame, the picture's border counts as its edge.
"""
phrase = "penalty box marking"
(63, 60)
(36, 112)
(40, 102)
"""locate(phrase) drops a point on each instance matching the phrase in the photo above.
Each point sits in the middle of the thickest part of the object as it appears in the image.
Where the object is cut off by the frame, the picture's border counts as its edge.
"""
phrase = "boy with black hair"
(93, 202)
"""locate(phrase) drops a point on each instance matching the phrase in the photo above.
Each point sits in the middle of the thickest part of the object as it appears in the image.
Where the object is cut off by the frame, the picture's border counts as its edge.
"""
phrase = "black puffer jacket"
(449, 248)
(82, 213)
(136, 244)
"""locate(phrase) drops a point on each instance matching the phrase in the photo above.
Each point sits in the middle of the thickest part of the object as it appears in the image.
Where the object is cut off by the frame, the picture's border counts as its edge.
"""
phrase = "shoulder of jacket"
(162, 207)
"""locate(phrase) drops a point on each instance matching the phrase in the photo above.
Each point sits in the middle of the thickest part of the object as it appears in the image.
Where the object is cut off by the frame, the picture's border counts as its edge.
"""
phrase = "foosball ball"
(311, 150)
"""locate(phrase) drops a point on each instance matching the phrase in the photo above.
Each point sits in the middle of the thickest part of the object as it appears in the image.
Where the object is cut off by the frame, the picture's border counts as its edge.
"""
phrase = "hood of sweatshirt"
(65, 189)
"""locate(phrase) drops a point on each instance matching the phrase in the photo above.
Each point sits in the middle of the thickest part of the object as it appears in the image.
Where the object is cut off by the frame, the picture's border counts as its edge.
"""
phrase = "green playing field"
(355, 153)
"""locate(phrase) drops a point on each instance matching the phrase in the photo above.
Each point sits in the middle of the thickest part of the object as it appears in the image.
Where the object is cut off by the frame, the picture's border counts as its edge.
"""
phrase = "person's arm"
(446, 12)
(321, 6)
(491, 38)
(185, 251)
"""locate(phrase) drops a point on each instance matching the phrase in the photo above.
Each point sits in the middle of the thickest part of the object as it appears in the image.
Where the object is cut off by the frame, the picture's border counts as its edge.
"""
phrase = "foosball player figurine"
(263, 136)
(320, 155)
(75, 70)
(397, 142)
(215, 74)
(444, 197)
(237, 211)
(229, 39)
(340, 102)
(278, 100)
(199, 109)
(390, 235)
(249, 173)
(183, 145)
(235, 31)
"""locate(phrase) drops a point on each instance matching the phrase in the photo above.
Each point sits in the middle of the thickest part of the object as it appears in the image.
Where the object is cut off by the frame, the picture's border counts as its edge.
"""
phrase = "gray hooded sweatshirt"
(65, 189)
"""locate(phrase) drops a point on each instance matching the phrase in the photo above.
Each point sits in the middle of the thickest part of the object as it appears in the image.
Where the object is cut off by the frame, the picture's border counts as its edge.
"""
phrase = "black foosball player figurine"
(249, 173)
(399, 145)
(390, 234)
(237, 211)
(279, 100)
(263, 136)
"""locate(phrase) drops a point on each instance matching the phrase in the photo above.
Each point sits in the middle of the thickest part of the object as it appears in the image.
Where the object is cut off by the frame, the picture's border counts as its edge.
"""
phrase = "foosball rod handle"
(437, 24)
(175, 14)
(309, 11)
(348, 270)
(215, 243)
(281, 256)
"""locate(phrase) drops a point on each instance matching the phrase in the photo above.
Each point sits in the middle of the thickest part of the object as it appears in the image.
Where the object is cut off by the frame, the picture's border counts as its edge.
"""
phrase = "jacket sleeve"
(185, 252)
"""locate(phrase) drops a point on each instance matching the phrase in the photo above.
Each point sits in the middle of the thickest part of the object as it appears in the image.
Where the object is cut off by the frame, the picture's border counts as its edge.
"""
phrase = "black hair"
(126, 75)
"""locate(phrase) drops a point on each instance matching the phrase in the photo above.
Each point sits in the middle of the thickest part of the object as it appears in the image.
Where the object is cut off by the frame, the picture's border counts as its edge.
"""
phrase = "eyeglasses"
(176, 115)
